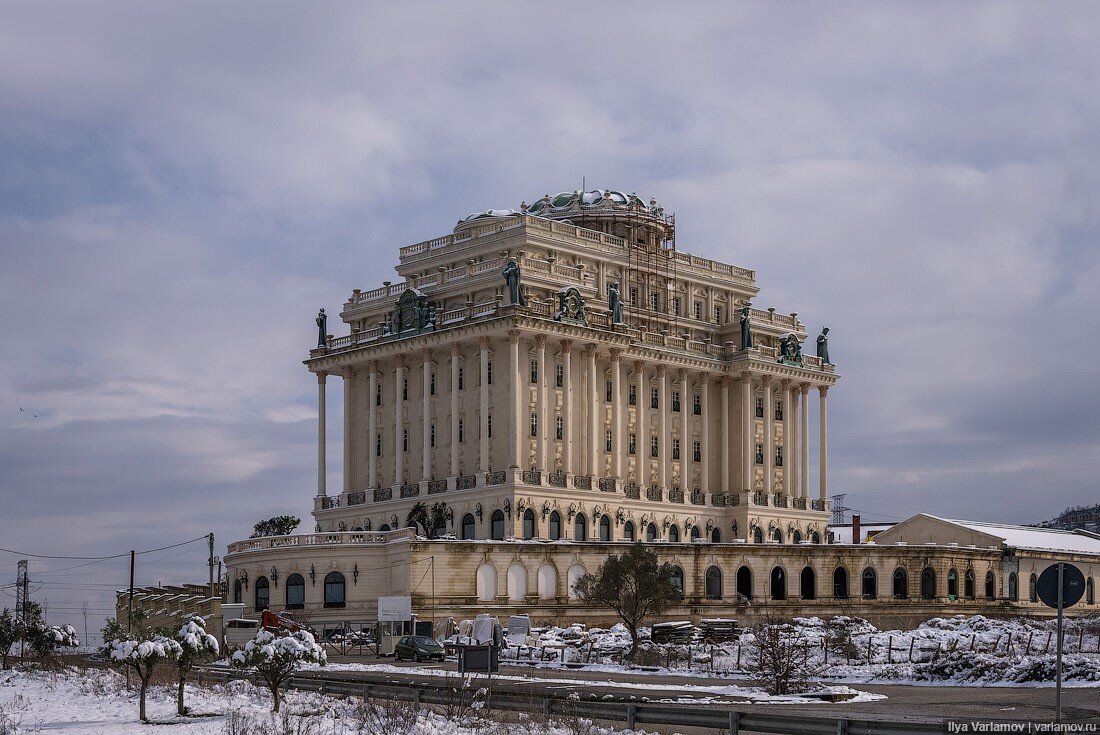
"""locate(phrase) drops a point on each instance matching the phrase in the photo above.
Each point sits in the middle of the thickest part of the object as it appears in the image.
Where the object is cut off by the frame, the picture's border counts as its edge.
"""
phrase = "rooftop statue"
(511, 275)
(322, 327)
(790, 350)
(615, 303)
(823, 346)
(746, 329)
(571, 307)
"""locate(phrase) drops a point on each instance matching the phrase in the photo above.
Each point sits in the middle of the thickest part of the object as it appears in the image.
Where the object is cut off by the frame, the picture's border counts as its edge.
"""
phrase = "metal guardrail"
(629, 715)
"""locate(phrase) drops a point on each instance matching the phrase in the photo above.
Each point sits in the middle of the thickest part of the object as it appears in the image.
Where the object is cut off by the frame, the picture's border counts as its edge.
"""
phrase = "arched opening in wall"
(678, 578)
(715, 536)
(990, 586)
(1013, 587)
(651, 532)
(815, 537)
(928, 584)
(555, 526)
(807, 584)
(757, 535)
(357, 528)
(694, 533)
(869, 588)
(1090, 592)
(952, 584)
(335, 589)
(1032, 593)
(238, 592)
(385, 527)
(548, 582)
(517, 582)
(744, 582)
(580, 528)
(575, 573)
(901, 584)
(263, 594)
(469, 527)
(486, 582)
(796, 536)
(628, 531)
(295, 592)
(777, 535)
(673, 534)
(840, 583)
(968, 584)
(605, 528)
(528, 524)
(497, 526)
(779, 583)
(713, 583)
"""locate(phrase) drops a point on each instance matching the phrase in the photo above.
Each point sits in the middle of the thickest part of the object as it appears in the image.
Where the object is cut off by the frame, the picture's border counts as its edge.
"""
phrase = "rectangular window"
(405, 389)
(697, 404)
(655, 301)
(378, 396)
(697, 310)
(759, 454)
(461, 376)
(405, 440)
(608, 442)
(676, 305)
(608, 389)
(433, 384)
(779, 410)
(489, 372)
(632, 444)
(676, 448)
(633, 295)
(696, 452)
(653, 446)
(654, 398)
(433, 435)
(534, 371)
(559, 428)
(489, 425)
(460, 432)
(559, 376)
(759, 408)
(779, 456)
(718, 315)
(378, 445)
(633, 395)
(676, 401)
(534, 424)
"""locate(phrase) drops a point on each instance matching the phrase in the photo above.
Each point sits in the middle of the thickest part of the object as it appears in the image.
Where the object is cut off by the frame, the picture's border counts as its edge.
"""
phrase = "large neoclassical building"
(554, 381)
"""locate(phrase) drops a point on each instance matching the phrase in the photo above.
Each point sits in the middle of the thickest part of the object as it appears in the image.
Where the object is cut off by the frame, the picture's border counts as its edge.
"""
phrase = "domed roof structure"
(574, 201)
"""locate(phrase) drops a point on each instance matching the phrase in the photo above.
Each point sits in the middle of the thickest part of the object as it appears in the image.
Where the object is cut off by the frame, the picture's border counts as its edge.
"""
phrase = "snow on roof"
(1028, 537)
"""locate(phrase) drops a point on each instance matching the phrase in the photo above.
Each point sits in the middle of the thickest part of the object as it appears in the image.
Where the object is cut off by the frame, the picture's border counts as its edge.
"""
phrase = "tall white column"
(349, 432)
(641, 408)
(685, 428)
(543, 415)
(823, 447)
(399, 422)
(769, 437)
(519, 403)
(748, 453)
(595, 410)
(372, 424)
(567, 407)
(704, 434)
(456, 355)
(789, 487)
(794, 486)
(321, 471)
(483, 404)
(724, 416)
(616, 414)
(804, 409)
(426, 418)
(663, 439)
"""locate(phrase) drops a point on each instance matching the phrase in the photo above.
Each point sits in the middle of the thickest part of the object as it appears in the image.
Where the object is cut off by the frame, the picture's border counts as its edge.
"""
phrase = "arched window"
(1032, 594)
(779, 583)
(968, 584)
(815, 537)
(714, 583)
(673, 534)
(263, 594)
(796, 536)
(757, 535)
(651, 532)
(238, 593)
(605, 528)
(840, 583)
(334, 589)
(628, 531)
(678, 579)
(952, 584)
(497, 525)
(990, 586)
(528, 524)
(555, 526)
(694, 534)
(385, 527)
(901, 584)
(744, 582)
(870, 584)
(580, 528)
(928, 584)
(807, 587)
(715, 536)
(295, 592)
(469, 527)
(1090, 592)
(1013, 587)
(486, 582)
(777, 535)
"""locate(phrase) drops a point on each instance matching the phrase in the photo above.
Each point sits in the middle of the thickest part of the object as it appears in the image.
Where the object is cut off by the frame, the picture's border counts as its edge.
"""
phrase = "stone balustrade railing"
(321, 539)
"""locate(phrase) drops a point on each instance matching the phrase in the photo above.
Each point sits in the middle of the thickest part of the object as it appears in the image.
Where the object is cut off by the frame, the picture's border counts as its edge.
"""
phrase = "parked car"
(418, 648)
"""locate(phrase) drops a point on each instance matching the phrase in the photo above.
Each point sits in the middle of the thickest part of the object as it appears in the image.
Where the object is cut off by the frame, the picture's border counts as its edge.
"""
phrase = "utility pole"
(210, 543)
(839, 509)
(130, 609)
(21, 601)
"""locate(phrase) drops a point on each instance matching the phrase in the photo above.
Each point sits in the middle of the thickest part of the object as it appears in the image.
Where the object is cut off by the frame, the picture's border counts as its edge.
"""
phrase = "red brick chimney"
(856, 537)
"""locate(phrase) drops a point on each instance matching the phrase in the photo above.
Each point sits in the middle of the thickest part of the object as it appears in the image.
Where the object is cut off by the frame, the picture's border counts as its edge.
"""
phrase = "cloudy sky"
(183, 185)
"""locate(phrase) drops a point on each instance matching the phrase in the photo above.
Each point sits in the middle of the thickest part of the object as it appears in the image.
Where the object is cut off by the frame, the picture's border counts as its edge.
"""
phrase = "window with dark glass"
(433, 435)
(405, 389)
(555, 526)
(632, 395)
(676, 449)
(461, 378)
(534, 424)
(779, 456)
(674, 534)
(759, 408)
(405, 440)
(605, 528)
(651, 532)
(654, 398)
(632, 444)
(559, 427)
(489, 425)
(489, 372)
(497, 526)
(263, 594)
(460, 431)
(779, 410)
(840, 583)
(901, 584)
(469, 527)
(697, 404)
(334, 590)
(580, 528)
(718, 315)
(870, 584)
(295, 592)
(677, 578)
(528, 524)
(559, 376)
(378, 396)
(759, 454)
(633, 296)
(676, 401)
(697, 310)
(628, 530)
(433, 384)
(534, 371)
(378, 445)
(713, 583)
(653, 444)
(696, 452)
(608, 391)
(607, 443)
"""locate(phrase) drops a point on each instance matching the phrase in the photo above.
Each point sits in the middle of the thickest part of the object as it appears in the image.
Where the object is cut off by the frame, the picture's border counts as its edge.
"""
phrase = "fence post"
(912, 642)
(869, 639)
(546, 708)
(631, 716)
(842, 727)
(416, 698)
(735, 722)
(890, 650)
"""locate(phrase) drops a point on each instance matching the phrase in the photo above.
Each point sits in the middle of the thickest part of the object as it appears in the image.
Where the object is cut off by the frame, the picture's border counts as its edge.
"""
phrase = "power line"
(103, 558)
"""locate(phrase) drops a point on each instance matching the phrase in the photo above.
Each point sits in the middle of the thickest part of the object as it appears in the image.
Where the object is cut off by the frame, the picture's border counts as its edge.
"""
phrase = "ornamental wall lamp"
(545, 509)
(312, 575)
(478, 511)
(355, 574)
(572, 510)
(275, 576)
(508, 507)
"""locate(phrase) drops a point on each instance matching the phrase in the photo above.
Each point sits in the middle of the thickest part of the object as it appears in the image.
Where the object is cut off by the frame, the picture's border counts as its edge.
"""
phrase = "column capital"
(704, 378)
(723, 380)
(399, 358)
(804, 388)
(426, 354)
(566, 345)
(514, 335)
(348, 372)
(456, 349)
(484, 343)
(590, 349)
(823, 390)
(766, 380)
(639, 366)
(746, 376)
(540, 341)
(372, 366)
(321, 375)
(616, 353)
(682, 374)
(662, 371)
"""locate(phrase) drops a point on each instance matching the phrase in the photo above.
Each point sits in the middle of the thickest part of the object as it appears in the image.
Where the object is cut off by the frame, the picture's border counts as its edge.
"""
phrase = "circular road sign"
(1073, 585)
